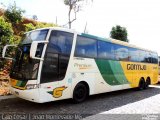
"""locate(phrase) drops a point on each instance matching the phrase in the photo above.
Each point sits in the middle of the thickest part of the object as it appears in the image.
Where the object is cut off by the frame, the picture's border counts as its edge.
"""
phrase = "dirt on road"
(4, 84)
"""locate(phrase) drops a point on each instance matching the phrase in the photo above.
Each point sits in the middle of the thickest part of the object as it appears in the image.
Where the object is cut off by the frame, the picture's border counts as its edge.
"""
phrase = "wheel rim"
(80, 93)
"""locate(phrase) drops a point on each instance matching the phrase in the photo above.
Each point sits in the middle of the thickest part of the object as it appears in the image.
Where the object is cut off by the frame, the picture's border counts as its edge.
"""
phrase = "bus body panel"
(87, 70)
(30, 95)
(57, 90)
(134, 71)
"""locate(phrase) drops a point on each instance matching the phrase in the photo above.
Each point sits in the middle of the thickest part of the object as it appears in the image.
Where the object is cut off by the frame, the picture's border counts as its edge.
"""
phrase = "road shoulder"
(7, 97)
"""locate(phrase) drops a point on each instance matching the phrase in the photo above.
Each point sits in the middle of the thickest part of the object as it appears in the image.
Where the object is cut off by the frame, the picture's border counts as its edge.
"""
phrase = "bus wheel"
(148, 82)
(141, 84)
(80, 93)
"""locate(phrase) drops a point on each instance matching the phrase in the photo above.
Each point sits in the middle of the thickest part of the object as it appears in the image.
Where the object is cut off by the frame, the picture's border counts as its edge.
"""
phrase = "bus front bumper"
(30, 95)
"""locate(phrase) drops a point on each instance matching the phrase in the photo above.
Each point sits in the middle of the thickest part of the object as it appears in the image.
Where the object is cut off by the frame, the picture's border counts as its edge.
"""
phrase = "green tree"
(6, 37)
(14, 14)
(43, 25)
(119, 33)
(6, 32)
(29, 27)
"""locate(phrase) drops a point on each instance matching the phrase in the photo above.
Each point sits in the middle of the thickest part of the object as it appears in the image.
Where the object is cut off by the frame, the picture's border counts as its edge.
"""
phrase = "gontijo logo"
(136, 67)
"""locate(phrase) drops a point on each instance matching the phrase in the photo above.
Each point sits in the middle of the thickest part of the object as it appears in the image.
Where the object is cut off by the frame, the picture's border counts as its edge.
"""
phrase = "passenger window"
(105, 50)
(86, 47)
(61, 42)
(133, 55)
(148, 58)
(154, 58)
(121, 53)
(142, 56)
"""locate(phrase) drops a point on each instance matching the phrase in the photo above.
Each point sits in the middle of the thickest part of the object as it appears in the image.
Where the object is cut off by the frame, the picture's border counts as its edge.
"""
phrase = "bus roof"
(55, 28)
(111, 40)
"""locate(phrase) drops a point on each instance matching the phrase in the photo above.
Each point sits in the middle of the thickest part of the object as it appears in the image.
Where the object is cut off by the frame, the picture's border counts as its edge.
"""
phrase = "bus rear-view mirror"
(9, 51)
(35, 49)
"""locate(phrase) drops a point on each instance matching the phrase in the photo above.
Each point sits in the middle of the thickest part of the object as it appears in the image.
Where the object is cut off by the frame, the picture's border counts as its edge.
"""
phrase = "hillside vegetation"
(12, 26)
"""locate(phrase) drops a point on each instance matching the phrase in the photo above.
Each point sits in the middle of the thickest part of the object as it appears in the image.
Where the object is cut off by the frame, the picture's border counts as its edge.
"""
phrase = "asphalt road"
(94, 105)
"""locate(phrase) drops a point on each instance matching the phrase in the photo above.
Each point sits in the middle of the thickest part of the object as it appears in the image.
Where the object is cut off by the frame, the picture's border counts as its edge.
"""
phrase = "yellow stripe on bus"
(135, 71)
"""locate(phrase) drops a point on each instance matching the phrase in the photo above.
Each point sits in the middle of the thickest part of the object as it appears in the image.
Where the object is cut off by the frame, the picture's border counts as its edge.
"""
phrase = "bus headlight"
(32, 86)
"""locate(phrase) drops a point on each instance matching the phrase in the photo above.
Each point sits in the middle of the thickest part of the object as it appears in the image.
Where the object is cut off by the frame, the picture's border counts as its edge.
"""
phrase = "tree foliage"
(6, 37)
(6, 32)
(30, 26)
(43, 25)
(14, 14)
(12, 27)
(119, 33)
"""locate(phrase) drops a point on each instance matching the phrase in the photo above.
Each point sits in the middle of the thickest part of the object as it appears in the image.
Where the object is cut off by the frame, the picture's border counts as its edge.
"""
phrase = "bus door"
(53, 74)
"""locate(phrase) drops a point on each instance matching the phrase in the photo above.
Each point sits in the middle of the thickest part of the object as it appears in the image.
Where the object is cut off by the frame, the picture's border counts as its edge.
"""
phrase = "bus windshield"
(24, 68)
(37, 35)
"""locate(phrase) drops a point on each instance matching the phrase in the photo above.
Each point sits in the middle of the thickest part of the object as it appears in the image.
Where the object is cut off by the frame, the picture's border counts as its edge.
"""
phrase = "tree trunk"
(69, 18)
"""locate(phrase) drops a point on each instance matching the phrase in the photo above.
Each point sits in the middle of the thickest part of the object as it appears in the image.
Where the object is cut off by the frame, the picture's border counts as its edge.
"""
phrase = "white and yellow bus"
(55, 63)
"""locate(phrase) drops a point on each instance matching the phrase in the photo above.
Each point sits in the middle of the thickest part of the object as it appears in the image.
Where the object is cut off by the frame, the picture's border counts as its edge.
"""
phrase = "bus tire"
(80, 93)
(141, 84)
(147, 83)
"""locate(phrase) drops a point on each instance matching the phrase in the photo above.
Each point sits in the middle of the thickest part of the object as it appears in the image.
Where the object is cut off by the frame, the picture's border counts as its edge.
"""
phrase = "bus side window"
(121, 53)
(148, 58)
(134, 55)
(142, 56)
(105, 50)
(86, 47)
(154, 58)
